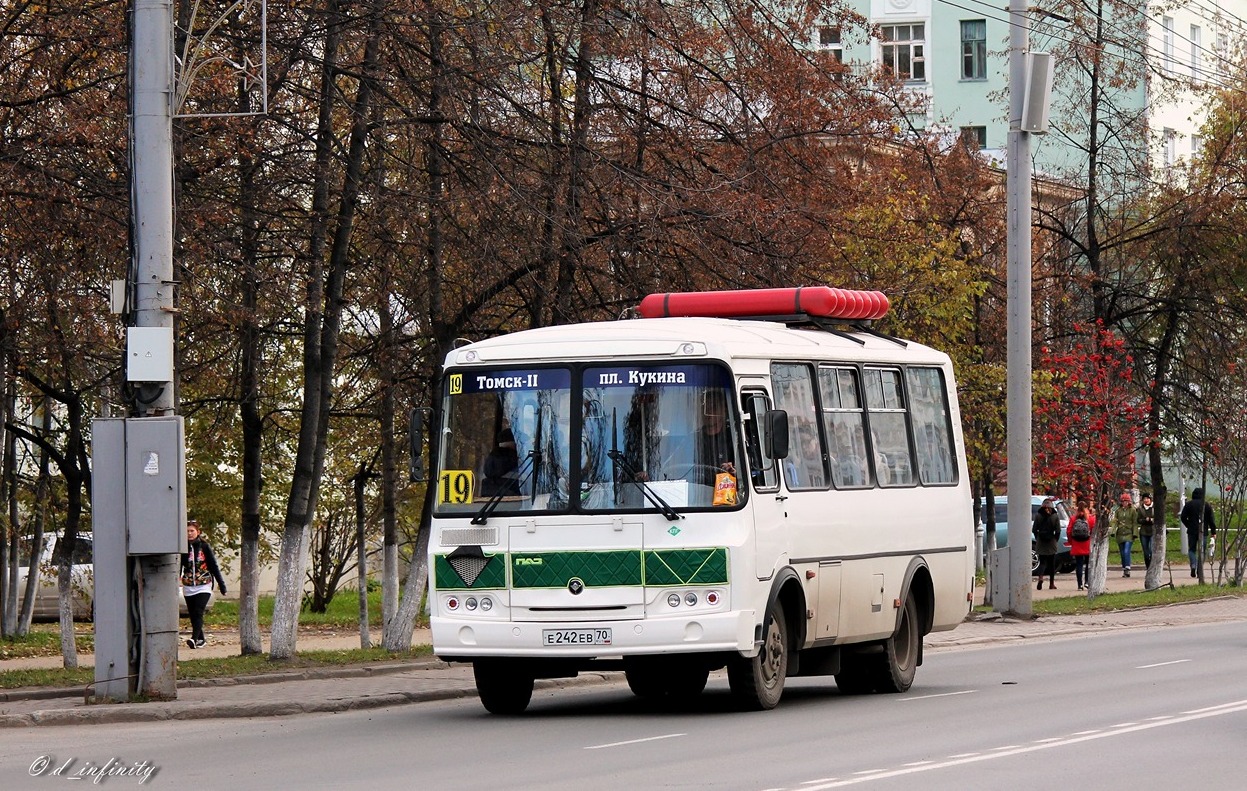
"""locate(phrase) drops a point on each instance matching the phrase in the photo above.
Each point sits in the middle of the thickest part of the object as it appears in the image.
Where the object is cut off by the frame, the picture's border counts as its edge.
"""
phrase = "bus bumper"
(730, 631)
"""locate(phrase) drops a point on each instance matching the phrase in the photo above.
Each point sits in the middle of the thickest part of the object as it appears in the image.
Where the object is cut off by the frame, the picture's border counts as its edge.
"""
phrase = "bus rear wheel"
(757, 683)
(502, 688)
(901, 651)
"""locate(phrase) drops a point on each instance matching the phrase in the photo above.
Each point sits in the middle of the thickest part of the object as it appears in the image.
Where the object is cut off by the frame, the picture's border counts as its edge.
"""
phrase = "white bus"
(782, 492)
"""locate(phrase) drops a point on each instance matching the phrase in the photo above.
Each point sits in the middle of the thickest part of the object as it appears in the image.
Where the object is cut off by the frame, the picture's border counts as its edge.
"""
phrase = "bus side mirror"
(415, 461)
(775, 422)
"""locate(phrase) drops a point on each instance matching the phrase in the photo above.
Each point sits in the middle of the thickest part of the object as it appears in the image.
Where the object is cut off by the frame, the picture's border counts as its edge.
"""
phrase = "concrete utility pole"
(1018, 393)
(138, 488)
(151, 62)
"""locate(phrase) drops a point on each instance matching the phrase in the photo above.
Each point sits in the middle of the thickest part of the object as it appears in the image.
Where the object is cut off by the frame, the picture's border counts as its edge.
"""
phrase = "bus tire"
(854, 677)
(502, 689)
(901, 651)
(757, 683)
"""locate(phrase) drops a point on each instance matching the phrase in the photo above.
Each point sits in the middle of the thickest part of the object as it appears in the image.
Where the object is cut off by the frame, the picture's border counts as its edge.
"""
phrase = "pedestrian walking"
(199, 569)
(1124, 523)
(1047, 532)
(1079, 539)
(1199, 522)
(1147, 529)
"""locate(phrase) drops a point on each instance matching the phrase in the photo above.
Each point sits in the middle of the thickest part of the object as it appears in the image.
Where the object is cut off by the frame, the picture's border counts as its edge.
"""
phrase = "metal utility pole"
(1018, 392)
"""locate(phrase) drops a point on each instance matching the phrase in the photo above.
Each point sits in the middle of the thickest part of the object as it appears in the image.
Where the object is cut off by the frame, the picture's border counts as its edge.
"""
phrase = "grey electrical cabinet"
(155, 486)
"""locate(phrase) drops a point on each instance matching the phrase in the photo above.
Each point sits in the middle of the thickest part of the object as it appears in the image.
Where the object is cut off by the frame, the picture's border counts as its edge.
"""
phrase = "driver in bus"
(714, 437)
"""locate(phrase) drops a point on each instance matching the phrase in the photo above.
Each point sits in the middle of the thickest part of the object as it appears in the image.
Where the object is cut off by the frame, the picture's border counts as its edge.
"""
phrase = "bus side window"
(932, 424)
(761, 469)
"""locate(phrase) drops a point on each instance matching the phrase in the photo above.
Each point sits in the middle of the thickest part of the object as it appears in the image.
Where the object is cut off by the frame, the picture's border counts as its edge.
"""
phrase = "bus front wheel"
(758, 682)
(502, 689)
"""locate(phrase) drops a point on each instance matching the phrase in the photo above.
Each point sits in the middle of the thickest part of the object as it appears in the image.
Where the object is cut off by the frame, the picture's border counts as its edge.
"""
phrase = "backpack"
(1080, 530)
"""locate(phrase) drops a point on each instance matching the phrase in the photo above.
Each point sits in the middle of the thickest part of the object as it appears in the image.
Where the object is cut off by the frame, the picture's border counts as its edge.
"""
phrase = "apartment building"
(955, 54)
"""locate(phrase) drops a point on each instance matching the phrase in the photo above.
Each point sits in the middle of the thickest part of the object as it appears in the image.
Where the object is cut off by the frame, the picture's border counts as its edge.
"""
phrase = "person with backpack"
(1047, 532)
(1199, 523)
(1125, 526)
(1079, 540)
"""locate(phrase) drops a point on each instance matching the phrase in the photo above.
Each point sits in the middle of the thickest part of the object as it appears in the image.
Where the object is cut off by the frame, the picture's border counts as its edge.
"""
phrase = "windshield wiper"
(522, 478)
(651, 495)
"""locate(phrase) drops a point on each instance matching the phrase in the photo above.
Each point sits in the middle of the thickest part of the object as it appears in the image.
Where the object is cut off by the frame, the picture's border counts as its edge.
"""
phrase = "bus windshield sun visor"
(639, 479)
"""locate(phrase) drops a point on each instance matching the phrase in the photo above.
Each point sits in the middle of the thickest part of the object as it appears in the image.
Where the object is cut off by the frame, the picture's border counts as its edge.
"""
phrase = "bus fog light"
(470, 603)
(673, 599)
(690, 599)
(487, 603)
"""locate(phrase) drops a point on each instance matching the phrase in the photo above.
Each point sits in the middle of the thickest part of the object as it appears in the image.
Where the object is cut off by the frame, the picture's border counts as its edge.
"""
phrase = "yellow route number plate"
(455, 487)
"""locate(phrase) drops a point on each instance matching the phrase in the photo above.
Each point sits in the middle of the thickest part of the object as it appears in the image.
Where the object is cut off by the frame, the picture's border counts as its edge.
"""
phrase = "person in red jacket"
(1079, 548)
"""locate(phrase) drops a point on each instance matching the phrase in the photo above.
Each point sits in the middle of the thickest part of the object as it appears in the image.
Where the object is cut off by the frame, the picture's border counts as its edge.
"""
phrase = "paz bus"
(751, 480)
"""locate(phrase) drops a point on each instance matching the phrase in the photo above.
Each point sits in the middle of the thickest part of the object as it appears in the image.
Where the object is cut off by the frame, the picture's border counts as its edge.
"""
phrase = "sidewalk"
(370, 686)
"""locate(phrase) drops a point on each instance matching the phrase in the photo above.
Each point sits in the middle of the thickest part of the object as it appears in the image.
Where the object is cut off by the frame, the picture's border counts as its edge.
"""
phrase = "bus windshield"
(667, 429)
(506, 437)
(648, 437)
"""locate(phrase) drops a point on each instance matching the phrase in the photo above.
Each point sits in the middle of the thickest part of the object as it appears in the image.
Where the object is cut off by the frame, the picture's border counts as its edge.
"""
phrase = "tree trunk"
(361, 560)
(249, 637)
(321, 329)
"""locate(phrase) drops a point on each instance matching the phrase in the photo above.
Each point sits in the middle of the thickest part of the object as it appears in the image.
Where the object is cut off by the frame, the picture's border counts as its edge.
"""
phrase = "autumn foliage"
(1089, 418)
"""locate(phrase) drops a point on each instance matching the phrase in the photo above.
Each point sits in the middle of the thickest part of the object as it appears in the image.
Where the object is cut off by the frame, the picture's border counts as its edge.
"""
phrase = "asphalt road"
(1137, 710)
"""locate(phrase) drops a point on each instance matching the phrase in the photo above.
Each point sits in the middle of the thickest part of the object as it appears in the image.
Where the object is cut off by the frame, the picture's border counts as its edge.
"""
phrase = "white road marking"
(918, 763)
(968, 758)
(1045, 741)
(1087, 733)
(1124, 724)
(636, 741)
(1162, 664)
(820, 780)
(939, 695)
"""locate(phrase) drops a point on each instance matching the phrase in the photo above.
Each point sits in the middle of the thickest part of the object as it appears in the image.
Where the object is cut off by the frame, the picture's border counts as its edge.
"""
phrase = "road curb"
(116, 713)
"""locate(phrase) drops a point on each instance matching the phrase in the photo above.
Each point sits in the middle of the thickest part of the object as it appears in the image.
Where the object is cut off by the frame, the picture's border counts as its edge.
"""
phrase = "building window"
(829, 41)
(1223, 55)
(904, 51)
(1166, 24)
(974, 137)
(1196, 50)
(1170, 145)
(974, 49)
(1197, 145)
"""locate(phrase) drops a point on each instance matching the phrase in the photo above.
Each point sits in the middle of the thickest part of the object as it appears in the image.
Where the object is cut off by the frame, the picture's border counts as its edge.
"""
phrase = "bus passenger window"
(889, 428)
(928, 404)
(805, 467)
(843, 422)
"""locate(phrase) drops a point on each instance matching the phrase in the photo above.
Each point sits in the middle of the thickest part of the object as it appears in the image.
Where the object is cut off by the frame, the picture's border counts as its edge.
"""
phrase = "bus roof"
(689, 339)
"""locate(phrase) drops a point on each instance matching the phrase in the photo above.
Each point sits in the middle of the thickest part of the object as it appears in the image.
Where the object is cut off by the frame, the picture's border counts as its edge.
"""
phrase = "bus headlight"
(690, 599)
(470, 603)
(673, 599)
(487, 604)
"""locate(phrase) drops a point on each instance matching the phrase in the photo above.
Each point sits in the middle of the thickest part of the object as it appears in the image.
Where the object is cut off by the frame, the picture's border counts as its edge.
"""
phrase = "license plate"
(576, 636)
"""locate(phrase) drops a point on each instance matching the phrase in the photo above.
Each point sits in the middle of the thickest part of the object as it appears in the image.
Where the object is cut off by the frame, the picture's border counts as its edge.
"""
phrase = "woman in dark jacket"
(199, 569)
(1047, 532)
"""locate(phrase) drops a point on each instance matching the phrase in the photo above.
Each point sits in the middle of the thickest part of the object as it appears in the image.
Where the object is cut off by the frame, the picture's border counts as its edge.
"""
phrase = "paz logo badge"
(576, 586)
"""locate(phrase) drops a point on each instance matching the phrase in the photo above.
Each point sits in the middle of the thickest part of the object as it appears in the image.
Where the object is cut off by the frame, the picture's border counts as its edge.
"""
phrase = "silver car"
(82, 580)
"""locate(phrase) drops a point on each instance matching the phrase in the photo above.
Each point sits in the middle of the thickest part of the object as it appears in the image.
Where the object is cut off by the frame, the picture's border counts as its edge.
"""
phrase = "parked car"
(82, 581)
(1064, 561)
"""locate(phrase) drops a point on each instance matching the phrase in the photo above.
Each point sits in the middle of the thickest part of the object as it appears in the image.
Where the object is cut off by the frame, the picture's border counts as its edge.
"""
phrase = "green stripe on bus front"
(492, 575)
(686, 567)
(613, 568)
